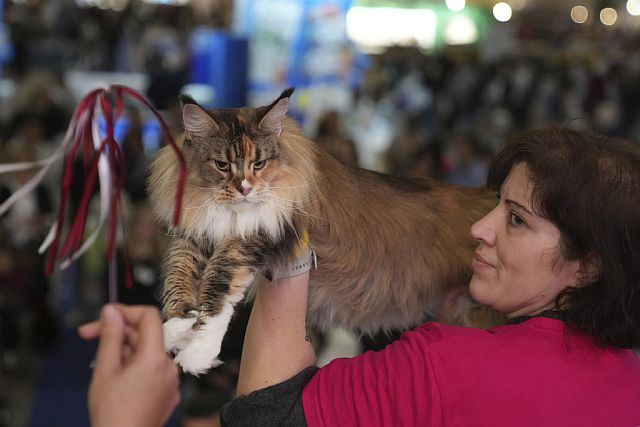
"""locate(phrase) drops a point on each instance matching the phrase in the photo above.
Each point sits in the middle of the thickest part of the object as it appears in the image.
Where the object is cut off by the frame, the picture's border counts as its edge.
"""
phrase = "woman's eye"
(515, 219)
(223, 166)
(259, 165)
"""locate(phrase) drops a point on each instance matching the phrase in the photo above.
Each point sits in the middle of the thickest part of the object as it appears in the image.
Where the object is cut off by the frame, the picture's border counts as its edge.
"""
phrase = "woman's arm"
(276, 345)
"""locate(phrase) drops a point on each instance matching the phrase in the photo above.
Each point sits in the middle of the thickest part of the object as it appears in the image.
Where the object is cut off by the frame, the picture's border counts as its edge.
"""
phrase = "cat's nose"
(246, 187)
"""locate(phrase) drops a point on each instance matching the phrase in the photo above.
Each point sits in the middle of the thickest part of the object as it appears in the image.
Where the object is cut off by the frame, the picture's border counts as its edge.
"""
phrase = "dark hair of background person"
(588, 186)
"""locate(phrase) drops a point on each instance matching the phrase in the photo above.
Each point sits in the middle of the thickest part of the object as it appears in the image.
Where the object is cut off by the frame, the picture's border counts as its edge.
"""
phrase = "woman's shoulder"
(434, 332)
(440, 335)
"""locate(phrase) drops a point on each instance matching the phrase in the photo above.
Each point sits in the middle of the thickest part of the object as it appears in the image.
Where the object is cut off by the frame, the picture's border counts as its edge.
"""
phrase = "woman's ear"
(590, 269)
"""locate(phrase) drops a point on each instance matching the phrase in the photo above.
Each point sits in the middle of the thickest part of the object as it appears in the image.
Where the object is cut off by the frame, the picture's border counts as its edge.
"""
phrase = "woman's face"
(518, 268)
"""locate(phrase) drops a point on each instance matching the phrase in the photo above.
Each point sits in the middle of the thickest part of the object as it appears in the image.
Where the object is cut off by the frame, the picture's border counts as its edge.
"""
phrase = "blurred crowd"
(444, 115)
(438, 115)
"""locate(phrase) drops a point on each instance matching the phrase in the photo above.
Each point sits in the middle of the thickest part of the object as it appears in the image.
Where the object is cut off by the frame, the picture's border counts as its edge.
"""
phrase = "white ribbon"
(72, 130)
(106, 189)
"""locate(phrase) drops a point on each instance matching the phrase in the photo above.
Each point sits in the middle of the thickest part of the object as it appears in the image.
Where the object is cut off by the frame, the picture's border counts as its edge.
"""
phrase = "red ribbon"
(82, 123)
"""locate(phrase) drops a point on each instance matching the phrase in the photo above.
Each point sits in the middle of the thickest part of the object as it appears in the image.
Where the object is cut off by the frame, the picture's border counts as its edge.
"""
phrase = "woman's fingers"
(89, 331)
(146, 321)
(109, 355)
(142, 326)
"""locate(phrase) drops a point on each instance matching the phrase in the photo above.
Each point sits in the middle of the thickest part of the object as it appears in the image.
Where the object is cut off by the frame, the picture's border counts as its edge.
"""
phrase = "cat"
(389, 250)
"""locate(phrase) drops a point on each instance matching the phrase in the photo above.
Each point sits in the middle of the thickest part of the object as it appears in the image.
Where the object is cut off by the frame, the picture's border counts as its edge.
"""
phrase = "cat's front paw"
(178, 332)
(201, 353)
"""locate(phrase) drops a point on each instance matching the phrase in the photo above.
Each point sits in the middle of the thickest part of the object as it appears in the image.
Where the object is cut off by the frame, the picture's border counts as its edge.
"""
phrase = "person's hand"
(134, 383)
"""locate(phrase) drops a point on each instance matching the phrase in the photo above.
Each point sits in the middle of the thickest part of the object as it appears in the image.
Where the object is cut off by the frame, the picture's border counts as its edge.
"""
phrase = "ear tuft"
(272, 120)
(186, 99)
(286, 93)
(197, 123)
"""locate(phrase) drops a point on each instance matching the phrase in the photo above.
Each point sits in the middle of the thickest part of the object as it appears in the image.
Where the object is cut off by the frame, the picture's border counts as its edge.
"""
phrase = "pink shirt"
(529, 374)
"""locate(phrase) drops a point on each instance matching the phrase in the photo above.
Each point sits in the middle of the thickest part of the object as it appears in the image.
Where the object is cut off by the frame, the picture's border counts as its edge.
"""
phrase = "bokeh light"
(633, 7)
(455, 5)
(502, 11)
(608, 16)
(460, 30)
(579, 14)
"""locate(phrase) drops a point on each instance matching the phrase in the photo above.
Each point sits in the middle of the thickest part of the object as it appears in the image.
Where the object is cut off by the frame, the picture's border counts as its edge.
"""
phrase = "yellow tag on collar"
(303, 244)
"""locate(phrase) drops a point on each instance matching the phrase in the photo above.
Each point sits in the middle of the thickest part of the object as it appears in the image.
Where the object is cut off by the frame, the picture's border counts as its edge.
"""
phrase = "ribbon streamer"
(104, 164)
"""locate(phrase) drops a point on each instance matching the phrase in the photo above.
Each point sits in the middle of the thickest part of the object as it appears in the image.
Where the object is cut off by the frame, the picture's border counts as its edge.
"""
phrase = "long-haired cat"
(388, 249)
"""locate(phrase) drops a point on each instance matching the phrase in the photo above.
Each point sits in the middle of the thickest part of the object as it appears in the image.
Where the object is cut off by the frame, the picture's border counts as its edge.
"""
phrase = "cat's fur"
(388, 249)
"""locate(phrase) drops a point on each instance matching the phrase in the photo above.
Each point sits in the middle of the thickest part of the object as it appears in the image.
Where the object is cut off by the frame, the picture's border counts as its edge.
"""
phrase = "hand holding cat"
(134, 381)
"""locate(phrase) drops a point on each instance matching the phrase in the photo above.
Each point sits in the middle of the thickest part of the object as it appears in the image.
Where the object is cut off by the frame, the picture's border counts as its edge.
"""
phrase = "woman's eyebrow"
(518, 205)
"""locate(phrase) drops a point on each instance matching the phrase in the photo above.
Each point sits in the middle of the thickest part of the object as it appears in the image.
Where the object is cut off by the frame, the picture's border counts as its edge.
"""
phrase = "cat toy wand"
(103, 161)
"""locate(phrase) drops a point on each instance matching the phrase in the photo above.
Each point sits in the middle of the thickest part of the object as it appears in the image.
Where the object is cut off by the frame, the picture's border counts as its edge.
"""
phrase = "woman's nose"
(484, 229)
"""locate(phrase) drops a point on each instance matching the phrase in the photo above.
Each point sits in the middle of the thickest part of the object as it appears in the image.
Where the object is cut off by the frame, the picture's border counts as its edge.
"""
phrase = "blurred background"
(408, 87)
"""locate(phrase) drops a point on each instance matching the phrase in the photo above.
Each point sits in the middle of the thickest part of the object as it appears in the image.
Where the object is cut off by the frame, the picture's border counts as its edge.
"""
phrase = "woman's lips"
(480, 263)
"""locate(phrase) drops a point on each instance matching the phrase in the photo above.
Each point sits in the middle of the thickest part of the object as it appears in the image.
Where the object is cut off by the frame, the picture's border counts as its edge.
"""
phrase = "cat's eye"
(259, 165)
(223, 166)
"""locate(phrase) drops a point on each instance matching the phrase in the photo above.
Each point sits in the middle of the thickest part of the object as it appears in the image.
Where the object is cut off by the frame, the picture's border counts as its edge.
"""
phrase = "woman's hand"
(134, 383)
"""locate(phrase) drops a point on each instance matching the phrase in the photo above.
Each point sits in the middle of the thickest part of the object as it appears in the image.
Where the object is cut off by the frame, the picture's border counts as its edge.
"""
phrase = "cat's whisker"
(293, 203)
(289, 207)
(203, 188)
(206, 204)
(308, 182)
(164, 231)
(214, 203)
(308, 199)
(282, 203)
(285, 210)
(272, 187)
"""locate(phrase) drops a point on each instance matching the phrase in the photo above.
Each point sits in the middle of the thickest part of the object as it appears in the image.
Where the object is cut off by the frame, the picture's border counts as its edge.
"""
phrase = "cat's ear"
(272, 120)
(197, 123)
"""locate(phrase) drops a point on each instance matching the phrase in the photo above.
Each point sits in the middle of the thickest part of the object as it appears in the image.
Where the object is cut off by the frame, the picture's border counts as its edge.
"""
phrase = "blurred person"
(26, 145)
(25, 225)
(135, 157)
(411, 139)
(144, 248)
(42, 96)
(427, 162)
(15, 299)
(164, 50)
(467, 165)
(331, 136)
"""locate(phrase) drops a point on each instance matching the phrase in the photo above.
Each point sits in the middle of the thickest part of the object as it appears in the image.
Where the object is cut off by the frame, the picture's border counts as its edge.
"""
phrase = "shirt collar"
(552, 314)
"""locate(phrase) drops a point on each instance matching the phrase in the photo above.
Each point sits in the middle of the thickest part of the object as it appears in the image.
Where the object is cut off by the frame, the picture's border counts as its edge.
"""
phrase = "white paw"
(178, 332)
(201, 353)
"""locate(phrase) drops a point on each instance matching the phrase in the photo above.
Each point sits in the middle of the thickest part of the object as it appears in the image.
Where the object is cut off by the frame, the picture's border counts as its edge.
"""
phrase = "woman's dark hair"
(589, 186)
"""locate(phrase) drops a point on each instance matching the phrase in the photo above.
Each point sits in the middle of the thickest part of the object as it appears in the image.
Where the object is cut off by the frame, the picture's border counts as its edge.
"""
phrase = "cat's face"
(249, 170)
(233, 156)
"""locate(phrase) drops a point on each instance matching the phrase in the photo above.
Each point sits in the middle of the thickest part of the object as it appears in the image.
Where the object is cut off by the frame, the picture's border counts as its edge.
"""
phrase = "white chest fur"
(243, 219)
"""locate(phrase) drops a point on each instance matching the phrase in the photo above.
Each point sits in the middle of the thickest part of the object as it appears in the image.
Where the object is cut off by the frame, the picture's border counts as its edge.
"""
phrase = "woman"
(558, 255)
